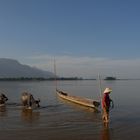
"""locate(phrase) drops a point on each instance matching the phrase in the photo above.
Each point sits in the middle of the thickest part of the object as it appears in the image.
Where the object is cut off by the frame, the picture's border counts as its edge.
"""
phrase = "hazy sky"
(84, 36)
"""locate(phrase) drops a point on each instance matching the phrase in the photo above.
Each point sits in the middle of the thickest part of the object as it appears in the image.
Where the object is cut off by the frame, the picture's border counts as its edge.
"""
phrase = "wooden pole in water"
(100, 87)
(55, 75)
(100, 90)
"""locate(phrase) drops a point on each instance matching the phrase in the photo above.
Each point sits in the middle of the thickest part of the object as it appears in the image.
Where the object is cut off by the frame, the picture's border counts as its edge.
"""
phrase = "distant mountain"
(10, 68)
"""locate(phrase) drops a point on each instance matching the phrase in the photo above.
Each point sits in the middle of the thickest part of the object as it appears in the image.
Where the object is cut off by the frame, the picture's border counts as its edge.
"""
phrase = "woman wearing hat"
(106, 104)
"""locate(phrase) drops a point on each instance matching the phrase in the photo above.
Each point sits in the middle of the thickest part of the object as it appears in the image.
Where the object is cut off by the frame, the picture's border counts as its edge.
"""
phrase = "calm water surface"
(59, 119)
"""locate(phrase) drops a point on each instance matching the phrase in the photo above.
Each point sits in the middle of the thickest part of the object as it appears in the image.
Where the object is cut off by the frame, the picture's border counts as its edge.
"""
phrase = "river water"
(57, 119)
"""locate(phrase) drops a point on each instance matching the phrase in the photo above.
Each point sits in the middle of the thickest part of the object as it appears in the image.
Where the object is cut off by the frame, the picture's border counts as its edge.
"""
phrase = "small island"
(110, 78)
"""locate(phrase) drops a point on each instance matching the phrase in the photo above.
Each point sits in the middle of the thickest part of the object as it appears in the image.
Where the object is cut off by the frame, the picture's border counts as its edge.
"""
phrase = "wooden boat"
(1, 105)
(78, 100)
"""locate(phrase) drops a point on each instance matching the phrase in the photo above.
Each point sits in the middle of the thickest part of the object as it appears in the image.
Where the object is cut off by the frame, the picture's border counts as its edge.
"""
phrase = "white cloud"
(87, 66)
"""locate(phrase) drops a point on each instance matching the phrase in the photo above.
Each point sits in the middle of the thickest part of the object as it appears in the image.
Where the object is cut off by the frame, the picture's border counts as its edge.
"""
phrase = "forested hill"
(10, 68)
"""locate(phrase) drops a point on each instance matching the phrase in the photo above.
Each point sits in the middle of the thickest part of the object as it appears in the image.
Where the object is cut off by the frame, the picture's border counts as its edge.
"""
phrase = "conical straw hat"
(107, 90)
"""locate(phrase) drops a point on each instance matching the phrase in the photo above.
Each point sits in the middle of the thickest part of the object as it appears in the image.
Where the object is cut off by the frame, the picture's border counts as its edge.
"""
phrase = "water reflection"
(3, 111)
(105, 132)
(29, 116)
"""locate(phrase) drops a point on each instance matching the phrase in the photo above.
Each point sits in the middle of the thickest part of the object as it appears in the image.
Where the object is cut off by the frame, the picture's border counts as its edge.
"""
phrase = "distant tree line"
(54, 78)
(39, 78)
(66, 78)
(21, 79)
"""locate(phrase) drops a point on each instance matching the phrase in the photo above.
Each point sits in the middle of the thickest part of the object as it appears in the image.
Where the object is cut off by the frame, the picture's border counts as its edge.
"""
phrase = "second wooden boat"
(78, 100)
(1, 105)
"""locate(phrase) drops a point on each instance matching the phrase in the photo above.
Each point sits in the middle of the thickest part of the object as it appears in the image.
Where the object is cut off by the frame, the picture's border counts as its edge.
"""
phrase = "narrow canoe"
(1, 105)
(78, 100)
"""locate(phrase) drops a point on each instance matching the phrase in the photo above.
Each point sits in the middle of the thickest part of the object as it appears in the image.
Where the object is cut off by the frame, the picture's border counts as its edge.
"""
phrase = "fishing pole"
(100, 90)
(55, 75)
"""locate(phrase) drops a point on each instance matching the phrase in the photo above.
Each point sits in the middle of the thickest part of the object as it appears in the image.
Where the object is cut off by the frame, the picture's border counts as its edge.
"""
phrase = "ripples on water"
(60, 119)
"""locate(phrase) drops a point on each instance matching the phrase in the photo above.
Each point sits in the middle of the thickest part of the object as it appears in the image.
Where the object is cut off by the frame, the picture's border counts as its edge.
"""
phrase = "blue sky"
(85, 36)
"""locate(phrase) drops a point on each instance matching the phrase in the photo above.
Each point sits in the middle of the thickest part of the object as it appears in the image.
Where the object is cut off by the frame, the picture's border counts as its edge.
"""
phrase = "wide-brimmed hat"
(107, 90)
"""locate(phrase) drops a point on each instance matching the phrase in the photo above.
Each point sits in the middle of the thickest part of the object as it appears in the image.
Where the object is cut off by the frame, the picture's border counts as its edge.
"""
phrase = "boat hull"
(79, 100)
(1, 105)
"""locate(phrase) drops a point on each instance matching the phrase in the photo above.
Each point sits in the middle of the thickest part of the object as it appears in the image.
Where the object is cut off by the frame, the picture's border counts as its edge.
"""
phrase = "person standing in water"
(106, 102)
